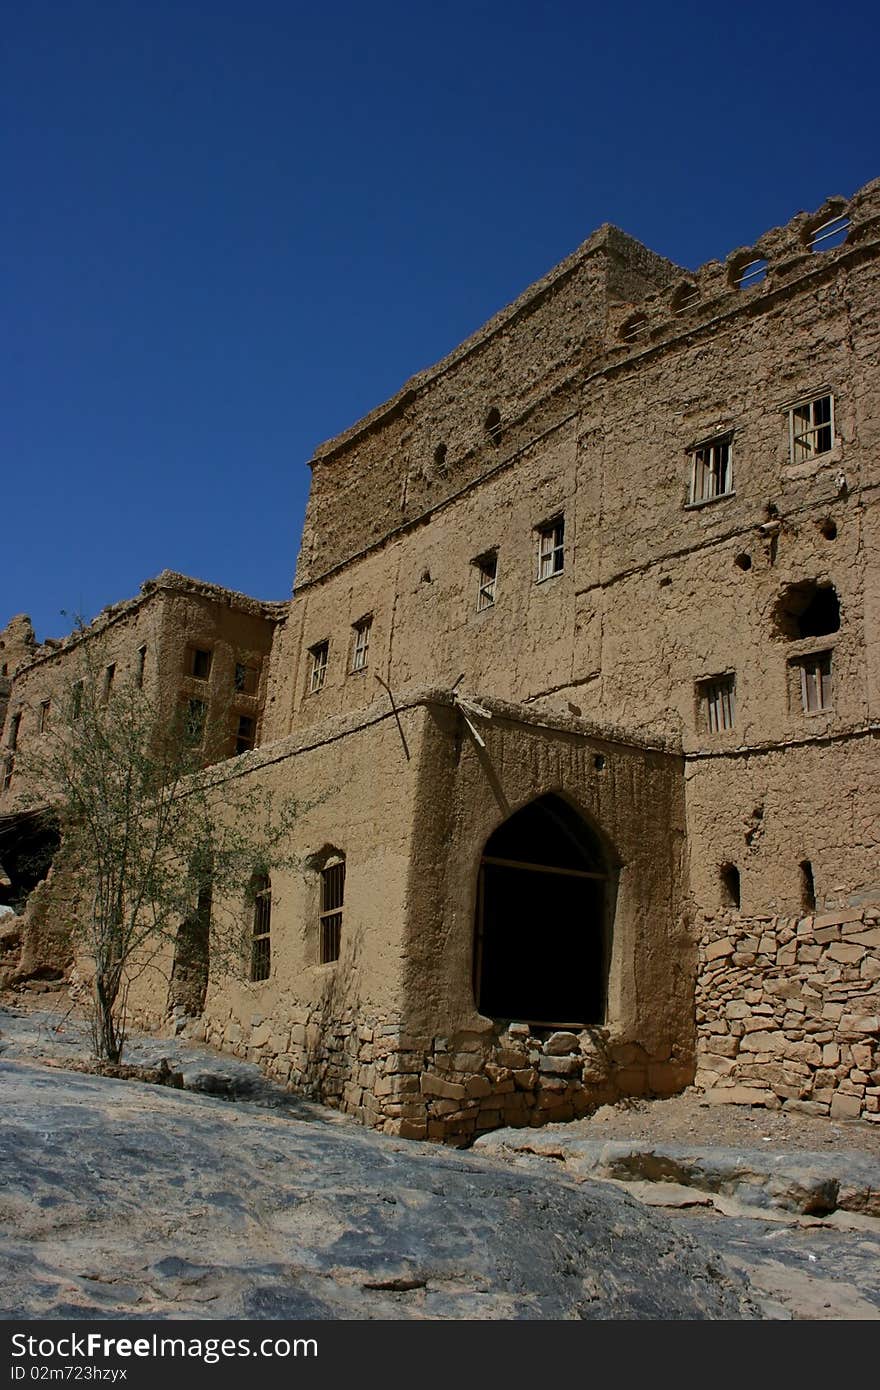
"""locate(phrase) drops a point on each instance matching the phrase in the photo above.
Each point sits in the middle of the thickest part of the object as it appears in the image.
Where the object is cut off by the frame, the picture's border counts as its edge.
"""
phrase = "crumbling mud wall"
(17, 646)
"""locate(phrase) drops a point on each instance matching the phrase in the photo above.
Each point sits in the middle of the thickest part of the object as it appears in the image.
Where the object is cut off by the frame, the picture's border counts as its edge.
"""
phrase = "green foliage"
(144, 831)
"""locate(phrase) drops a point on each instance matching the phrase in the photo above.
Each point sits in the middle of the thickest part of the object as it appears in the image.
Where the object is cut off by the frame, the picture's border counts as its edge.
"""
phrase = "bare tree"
(146, 835)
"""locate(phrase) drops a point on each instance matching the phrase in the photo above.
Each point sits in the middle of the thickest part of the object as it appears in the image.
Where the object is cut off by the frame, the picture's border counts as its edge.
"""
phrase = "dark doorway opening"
(189, 973)
(542, 926)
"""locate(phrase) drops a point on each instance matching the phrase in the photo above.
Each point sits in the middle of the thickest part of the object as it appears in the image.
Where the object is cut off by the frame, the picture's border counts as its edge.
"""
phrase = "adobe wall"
(462, 1073)
(390, 1032)
(384, 473)
(649, 582)
(17, 645)
(656, 595)
(769, 810)
(322, 1028)
(169, 617)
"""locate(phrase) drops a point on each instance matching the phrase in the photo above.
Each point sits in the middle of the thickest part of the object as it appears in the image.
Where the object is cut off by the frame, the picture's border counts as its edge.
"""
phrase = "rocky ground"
(235, 1199)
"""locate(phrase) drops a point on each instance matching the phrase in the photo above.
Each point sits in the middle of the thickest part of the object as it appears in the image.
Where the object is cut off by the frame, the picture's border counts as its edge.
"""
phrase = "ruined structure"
(580, 686)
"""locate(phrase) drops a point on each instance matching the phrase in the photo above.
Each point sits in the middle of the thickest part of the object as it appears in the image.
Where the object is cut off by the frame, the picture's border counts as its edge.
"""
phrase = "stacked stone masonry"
(788, 1011)
(449, 1089)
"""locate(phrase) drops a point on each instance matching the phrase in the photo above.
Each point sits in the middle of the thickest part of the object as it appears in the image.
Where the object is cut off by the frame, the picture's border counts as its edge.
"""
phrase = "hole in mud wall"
(730, 885)
(807, 610)
(808, 886)
(743, 561)
(828, 528)
(28, 845)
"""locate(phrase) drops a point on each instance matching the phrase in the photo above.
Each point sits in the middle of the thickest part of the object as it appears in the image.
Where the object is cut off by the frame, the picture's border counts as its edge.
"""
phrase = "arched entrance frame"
(547, 864)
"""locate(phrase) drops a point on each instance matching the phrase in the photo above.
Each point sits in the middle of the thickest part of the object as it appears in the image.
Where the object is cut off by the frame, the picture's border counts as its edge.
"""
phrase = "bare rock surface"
(803, 1225)
(811, 1183)
(244, 1200)
(124, 1199)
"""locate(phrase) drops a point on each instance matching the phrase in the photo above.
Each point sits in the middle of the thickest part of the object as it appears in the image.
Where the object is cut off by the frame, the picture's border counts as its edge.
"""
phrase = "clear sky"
(230, 229)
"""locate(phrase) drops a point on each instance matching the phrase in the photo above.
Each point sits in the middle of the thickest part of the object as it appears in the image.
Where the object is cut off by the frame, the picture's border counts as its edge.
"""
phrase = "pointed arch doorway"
(542, 931)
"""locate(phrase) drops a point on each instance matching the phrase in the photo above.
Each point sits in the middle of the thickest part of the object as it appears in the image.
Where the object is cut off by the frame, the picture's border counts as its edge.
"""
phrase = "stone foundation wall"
(447, 1088)
(788, 1011)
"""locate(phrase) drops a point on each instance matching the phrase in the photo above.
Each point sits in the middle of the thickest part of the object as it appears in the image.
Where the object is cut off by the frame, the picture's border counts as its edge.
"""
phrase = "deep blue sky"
(232, 228)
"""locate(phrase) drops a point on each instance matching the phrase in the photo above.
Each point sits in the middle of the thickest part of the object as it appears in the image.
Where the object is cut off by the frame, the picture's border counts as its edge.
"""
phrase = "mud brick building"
(580, 684)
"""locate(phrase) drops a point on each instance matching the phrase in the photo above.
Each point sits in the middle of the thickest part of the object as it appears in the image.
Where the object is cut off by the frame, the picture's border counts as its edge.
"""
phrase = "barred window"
(320, 655)
(811, 428)
(717, 703)
(487, 576)
(261, 954)
(361, 648)
(332, 894)
(551, 548)
(711, 469)
(815, 681)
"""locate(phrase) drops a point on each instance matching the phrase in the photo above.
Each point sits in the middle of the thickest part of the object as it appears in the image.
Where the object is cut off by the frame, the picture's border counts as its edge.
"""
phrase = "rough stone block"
(561, 1043)
(716, 949)
(737, 1009)
(560, 1066)
(838, 917)
(526, 1079)
(737, 1095)
(845, 1107)
(431, 1085)
(763, 1042)
(860, 1023)
(845, 952)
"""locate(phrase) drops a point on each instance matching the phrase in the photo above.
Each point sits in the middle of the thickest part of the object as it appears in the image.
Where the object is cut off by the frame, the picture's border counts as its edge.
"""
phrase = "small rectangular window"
(45, 706)
(332, 894)
(246, 733)
(76, 700)
(139, 667)
(487, 576)
(261, 948)
(711, 470)
(109, 673)
(815, 681)
(811, 428)
(200, 663)
(247, 678)
(717, 703)
(361, 648)
(551, 548)
(319, 656)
